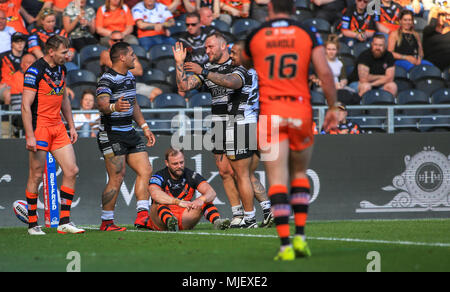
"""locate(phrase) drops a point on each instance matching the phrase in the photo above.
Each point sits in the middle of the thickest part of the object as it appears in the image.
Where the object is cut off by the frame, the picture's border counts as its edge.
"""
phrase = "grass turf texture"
(404, 245)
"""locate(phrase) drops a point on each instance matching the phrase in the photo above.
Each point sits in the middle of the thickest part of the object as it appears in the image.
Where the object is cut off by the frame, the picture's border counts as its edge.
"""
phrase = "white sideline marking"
(411, 243)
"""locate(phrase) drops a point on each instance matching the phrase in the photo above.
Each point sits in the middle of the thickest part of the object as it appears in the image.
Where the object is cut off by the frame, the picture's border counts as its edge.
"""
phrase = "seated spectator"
(258, 10)
(112, 16)
(194, 39)
(388, 21)
(9, 64)
(413, 5)
(404, 43)
(57, 5)
(345, 126)
(375, 68)
(231, 10)
(206, 16)
(436, 39)
(213, 5)
(14, 18)
(45, 28)
(79, 23)
(87, 124)
(5, 33)
(179, 7)
(357, 25)
(330, 10)
(153, 20)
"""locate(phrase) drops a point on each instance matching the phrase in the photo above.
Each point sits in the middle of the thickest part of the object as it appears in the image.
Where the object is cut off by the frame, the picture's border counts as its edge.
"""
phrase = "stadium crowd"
(403, 51)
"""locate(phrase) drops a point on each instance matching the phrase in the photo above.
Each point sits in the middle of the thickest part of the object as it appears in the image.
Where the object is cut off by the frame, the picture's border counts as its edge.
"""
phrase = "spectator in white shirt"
(5, 33)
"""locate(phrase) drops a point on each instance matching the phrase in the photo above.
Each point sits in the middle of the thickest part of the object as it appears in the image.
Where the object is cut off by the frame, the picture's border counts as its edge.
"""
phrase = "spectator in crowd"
(213, 5)
(413, 5)
(258, 10)
(436, 39)
(388, 21)
(112, 16)
(375, 68)
(131, 3)
(31, 8)
(153, 20)
(405, 44)
(57, 5)
(13, 12)
(431, 7)
(179, 7)
(5, 33)
(231, 10)
(87, 124)
(45, 28)
(79, 23)
(330, 10)
(9, 64)
(206, 16)
(345, 126)
(194, 39)
(357, 25)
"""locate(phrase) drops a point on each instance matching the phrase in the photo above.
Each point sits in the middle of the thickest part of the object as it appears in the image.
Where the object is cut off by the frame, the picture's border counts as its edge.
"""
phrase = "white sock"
(265, 205)
(142, 205)
(237, 210)
(250, 215)
(107, 215)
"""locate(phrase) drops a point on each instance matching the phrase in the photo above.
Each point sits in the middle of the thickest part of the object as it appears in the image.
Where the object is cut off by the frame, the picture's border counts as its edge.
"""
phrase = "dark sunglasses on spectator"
(191, 24)
(117, 40)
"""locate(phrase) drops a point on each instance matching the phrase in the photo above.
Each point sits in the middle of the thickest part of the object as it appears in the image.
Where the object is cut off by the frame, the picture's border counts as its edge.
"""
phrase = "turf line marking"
(411, 243)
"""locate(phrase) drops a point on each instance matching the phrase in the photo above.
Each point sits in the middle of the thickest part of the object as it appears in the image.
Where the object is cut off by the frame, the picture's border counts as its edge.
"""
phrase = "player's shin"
(281, 210)
(32, 207)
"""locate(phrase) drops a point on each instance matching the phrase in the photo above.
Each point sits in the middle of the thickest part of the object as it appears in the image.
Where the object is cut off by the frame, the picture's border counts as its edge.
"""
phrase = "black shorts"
(117, 143)
(218, 137)
(240, 141)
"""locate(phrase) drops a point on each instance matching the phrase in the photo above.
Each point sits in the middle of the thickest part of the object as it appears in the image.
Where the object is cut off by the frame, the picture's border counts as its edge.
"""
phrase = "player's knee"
(36, 174)
(72, 171)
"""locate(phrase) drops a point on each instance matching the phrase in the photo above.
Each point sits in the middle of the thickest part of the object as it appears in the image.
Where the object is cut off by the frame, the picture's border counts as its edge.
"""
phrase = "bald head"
(2, 20)
(206, 16)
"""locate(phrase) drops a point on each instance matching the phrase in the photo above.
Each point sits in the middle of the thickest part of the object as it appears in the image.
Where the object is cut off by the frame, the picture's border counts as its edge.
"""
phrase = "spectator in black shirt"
(376, 68)
(330, 10)
(436, 40)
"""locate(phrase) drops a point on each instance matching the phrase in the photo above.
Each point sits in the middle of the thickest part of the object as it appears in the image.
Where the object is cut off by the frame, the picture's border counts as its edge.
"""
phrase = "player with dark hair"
(118, 141)
(281, 50)
(44, 99)
(175, 185)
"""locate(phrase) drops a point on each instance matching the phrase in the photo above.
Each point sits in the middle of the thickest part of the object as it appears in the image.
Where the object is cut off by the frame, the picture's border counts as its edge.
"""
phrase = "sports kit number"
(287, 67)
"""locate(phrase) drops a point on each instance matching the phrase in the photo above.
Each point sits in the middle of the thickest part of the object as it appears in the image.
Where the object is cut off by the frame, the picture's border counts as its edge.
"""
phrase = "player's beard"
(177, 172)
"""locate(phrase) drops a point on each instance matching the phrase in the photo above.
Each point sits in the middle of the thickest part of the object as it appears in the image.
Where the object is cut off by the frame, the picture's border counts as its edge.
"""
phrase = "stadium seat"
(143, 101)
(90, 52)
(400, 72)
(160, 127)
(317, 98)
(371, 124)
(162, 51)
(344, 49)
(320, 24)
(403, 84)
(358, 48)
(180, 26)
(419, 23)
(446, 75)
(169, 100)
(166, 65)
(77, 77)
(434, 124)
(406, 124)
(413, 96)
(151, 75)
(141, 53)
(303, 4)
(441, 96)
(79, 89)
(92, 65)
(430, 84)
(75, 103)
(421, 71)
(348, 60)
(378, 97)
(221, 25)
(243, 26)
(95, 3)
(201, 99)
(302, 15)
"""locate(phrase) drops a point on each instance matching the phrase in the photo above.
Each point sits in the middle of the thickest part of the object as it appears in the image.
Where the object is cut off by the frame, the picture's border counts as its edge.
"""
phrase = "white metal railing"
(193, 119)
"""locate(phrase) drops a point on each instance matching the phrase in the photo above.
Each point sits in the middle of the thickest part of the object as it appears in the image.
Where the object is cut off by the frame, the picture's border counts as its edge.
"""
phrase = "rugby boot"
(287, 254)
(108, 225)
(301, 247)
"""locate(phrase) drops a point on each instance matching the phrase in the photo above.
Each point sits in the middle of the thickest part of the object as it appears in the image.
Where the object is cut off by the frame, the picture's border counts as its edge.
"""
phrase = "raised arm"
(232, 80)
(184, 82)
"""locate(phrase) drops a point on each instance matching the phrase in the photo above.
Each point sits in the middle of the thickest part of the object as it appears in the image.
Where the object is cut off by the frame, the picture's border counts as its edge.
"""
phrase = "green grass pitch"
(402, 245)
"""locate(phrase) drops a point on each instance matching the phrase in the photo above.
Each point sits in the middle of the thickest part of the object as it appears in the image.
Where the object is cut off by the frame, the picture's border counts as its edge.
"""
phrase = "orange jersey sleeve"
(281, 52)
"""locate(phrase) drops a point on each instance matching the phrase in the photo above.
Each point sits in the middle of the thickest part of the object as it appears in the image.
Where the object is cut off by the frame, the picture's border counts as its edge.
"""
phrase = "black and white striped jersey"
(117, 85)
(245, 104)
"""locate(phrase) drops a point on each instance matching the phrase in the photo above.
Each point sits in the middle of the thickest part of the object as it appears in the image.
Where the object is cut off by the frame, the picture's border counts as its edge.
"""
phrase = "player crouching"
(179, 184)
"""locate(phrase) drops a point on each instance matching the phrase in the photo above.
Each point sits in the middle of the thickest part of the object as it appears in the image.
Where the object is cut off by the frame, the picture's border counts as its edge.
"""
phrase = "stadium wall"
(375, 176)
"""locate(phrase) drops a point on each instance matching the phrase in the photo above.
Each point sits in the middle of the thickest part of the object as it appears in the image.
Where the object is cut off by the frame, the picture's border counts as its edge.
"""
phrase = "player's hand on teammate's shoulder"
(193, 67)
(122, 105)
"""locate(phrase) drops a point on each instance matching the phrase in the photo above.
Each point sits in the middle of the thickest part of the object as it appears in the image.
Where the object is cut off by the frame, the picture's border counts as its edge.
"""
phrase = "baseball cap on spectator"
(18, 36)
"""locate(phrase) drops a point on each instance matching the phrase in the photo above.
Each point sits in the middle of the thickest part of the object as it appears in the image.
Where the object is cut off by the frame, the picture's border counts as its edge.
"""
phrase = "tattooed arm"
(233, 80)
(184, 82)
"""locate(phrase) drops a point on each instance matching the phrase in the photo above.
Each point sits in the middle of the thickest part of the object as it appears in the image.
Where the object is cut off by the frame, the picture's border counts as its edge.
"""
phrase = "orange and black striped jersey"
(281, 51)
(390, 16)
(347, 127)
(39, 37)
(182, 188)
(357, 22)
(49, 84)
(9, 64)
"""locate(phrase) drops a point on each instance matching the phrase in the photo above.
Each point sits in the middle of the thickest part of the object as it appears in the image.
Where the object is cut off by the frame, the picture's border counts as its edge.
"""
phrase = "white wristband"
(144, 125)
(112, 107)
